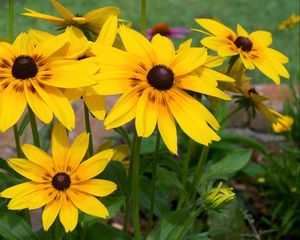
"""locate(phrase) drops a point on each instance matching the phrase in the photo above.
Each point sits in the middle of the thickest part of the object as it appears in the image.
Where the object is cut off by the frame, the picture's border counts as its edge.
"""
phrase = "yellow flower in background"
(290, 22)
(33, 74)
(61, 183)
(152, 78)
(283, 124)
(252, 48)
(92, 20)
(218, 197)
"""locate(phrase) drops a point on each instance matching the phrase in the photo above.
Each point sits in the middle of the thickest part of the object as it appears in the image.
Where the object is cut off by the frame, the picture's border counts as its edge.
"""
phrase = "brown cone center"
(244, 43)
(61, 181)
(24, 67)
(160, 77)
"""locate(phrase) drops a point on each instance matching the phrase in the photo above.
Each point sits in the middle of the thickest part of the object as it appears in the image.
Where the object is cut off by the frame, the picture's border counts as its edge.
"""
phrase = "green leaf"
(171, 225)
(14, 227)
(102, 231)
(23, 124)
(228, 165)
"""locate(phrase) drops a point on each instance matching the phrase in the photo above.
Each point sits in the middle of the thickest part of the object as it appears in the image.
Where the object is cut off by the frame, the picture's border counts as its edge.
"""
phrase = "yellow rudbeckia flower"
(252, 48)
(33, 74)
(61, 183)
(152, 78)
(283, 124)
(290, 22)
(92, 20)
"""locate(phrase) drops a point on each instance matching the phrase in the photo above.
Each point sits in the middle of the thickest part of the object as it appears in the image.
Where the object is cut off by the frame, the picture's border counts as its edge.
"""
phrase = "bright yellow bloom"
(92, 20)
(283, 124)
(218, 197)
(61, 183)
(252, 48)
(33, 74)
(153, 79)
(290, 22)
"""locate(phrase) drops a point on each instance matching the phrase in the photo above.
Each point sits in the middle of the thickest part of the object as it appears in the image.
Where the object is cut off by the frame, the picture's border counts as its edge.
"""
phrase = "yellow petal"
(224, 47)
(185, 45)
(43, 197)
(51, 211)
(214, 61)
(108, 32)
(60, 146)
(188, 60)
(194, 83)
(71, 74)
(262, 37)
(49, 18)
(36, 103)
(10, 112)
(39, 157)
(267, 69)
(24, 43)
(50, 46)
(146, 113)
(68, 214)
(114, 82)
(39, 36)
(214, 27)
(73, 94)
(22, 188)
(124, 109)
(92, 166)
(166, 125)
(163, 48)
(96, 105)
(77, 151)
(241, 31)
(58, 103)
(30, 170)
(217, 75)
(96, 18)
(192, 116)
(97, 187)
(88, 203)
(136, 43)
(64, 12)
(276, 55)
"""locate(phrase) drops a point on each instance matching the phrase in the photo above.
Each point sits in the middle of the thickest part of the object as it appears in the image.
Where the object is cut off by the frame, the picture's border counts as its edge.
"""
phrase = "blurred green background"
(251, 14)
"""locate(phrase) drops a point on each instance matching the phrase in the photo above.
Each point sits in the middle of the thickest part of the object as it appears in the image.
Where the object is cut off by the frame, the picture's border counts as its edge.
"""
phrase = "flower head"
(290, 22)
(152, 78)
(283, 124)
(61, 183)
(92, 20)
(218, 197)
(252, 48)
(33, 74)
(165, 30)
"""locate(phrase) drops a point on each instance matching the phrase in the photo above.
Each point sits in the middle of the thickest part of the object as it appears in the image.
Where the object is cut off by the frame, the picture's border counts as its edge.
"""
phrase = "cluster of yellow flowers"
(46, 72)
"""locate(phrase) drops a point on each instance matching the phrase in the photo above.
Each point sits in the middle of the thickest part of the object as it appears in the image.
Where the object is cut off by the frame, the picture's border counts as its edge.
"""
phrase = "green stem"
(153, 181)
(135, 184)
(185, 171)
(126, 214)
(124, 134)
(198, 172)
(232, 61)
(11, 21)
(84, 230)
(88, 130)
(34, 130)
(17, 140)
(143, 17)
(230, 114)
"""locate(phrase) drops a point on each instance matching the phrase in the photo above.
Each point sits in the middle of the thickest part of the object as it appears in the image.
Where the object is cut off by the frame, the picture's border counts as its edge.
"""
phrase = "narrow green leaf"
(23, 124)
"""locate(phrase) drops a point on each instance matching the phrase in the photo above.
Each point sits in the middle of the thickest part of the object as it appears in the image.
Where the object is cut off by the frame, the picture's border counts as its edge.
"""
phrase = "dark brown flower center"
(160, 77)
(244, 43)
(161, 28)
(24, 67)
(61, 181)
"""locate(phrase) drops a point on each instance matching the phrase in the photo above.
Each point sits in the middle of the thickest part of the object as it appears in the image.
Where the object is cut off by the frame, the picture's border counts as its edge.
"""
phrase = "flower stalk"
(88, 130)
(34, 130)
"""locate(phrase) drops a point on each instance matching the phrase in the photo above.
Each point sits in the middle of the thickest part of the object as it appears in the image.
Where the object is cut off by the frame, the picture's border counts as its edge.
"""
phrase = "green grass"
(251, 14)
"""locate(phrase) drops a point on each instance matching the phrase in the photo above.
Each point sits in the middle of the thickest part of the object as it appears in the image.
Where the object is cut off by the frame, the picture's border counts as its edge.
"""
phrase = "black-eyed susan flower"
(290, 22)
(32, 74)
(283, 124)
(92, 20)
(61, 183)
(252, 48)
(152, 78)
